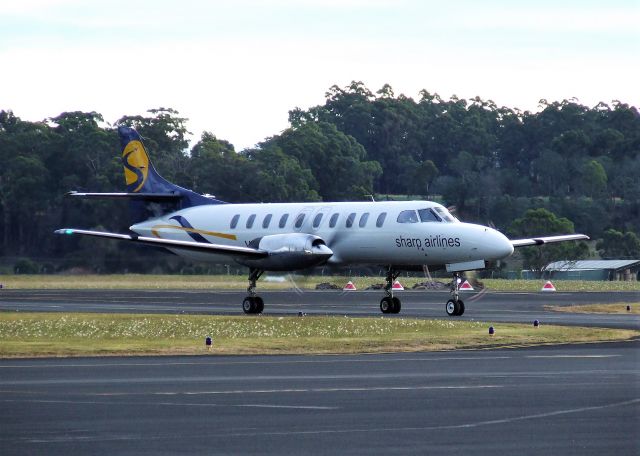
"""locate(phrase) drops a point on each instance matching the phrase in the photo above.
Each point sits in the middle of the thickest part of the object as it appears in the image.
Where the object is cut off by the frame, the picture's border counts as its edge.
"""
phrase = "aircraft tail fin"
(147, 186)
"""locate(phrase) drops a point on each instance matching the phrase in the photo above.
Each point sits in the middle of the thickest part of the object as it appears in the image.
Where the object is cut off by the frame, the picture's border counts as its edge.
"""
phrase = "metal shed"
(619, 270)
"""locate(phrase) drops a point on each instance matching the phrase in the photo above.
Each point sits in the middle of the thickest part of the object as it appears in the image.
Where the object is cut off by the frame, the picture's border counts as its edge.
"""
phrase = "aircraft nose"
(500, 244)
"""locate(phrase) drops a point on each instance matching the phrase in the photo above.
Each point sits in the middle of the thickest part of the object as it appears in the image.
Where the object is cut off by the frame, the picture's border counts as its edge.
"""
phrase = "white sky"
(236, 68)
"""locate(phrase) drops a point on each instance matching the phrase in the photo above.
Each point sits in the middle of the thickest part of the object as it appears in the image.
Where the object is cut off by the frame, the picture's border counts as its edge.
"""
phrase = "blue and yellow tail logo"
(136, 165)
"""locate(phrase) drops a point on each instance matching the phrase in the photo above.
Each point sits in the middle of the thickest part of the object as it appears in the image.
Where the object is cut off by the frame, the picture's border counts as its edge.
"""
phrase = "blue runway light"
(536, 323)
(491, 331)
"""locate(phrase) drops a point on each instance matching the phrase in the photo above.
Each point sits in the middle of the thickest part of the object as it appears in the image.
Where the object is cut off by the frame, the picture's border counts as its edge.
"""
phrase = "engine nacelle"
(289, 252)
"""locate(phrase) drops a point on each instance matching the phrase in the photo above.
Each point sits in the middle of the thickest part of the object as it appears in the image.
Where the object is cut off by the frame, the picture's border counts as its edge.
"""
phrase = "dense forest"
(566, 167)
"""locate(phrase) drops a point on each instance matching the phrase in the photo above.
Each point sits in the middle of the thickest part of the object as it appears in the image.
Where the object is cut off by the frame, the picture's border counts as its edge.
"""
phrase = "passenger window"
(299, 220)
(317, 220)
(427, 215)
(350, 219)
(363, 220)
(380, 220)
(333, 220)
(266, 221)
(283, 221)
(409, 216)
(234, 221)
(250, 220)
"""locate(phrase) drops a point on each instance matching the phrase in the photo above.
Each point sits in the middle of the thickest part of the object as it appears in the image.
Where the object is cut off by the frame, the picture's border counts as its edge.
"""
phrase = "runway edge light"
(491, 331)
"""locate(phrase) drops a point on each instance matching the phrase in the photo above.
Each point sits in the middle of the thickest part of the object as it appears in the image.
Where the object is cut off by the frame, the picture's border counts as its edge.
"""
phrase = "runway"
(556, 400)
(490, 306)
(579, 399)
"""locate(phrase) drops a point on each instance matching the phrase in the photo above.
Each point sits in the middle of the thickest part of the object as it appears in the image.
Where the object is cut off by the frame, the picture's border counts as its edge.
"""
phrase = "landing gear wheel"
(396, 305)
(259, 304)
(452, 308)
(461, 311)
(386, 305)
(249, 305)
(253, 305)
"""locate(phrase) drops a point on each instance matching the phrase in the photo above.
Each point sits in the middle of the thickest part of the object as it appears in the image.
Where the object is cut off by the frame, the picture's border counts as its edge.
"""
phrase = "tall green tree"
(337, 162)
(536, 221)
(617, 245)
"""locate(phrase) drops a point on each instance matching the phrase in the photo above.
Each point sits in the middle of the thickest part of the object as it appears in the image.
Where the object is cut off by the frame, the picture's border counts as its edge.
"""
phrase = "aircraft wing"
(548, 240)
(130, 196)
(232, 251)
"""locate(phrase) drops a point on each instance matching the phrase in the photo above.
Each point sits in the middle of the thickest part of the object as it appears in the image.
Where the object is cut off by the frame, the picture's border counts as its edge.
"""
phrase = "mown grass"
(613, 308)
(59, 334)
(234, 282)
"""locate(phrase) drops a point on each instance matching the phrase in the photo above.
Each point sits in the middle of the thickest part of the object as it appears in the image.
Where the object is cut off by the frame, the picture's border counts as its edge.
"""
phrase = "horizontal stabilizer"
(230, 250)
(548, 240)
(131, 196)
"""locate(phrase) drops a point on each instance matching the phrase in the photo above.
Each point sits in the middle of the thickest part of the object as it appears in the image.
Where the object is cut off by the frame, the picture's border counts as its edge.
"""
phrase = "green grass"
(234, 282)
(561, 285)
(59, 334)
(613, 308)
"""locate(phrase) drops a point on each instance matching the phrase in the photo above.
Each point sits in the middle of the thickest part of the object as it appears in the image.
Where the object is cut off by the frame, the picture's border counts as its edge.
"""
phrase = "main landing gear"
(455, 306)
(390, 304)
(253, 304)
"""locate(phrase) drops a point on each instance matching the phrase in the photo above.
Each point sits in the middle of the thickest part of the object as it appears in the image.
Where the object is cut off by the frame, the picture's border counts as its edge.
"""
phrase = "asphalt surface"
(566, 400)
(488, 306)
(580, 400)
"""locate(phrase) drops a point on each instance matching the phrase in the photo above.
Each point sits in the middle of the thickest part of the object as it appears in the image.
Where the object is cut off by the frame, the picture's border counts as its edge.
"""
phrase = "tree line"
(567, 166)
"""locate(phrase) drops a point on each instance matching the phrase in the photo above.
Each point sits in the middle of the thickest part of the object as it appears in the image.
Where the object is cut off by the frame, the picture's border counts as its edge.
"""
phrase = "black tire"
(461, 311)
(396, 305)
(386, 305)
(248, 305)
(452, 308)
(259, 304)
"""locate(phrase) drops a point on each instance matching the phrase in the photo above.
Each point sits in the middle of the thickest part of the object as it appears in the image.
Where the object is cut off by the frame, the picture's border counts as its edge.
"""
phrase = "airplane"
(400, 235)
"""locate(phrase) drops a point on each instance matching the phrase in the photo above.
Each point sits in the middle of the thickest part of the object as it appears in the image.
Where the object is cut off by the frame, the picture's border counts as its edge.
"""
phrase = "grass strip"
(60, 334)
(235, 282)
(612, 308)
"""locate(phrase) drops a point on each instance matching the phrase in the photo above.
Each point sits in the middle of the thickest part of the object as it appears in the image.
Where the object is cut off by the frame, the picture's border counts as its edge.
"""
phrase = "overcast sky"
(236, 68)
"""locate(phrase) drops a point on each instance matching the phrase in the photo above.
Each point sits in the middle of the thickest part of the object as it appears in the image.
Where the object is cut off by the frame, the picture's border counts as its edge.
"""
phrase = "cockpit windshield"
(428, 215)
(445, 214)
(436, 214)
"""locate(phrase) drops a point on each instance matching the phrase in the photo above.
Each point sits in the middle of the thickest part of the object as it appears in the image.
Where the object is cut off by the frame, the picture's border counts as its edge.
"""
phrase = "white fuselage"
(385, 232)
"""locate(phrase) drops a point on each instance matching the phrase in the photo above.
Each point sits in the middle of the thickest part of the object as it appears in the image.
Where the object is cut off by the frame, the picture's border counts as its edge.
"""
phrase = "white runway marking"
(173, 404)
(450, 426)
(572, 356)
(301, 390)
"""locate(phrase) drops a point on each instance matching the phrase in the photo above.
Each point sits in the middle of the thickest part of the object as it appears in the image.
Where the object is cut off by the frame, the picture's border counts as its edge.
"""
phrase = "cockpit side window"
(408, 216)
(428, 215)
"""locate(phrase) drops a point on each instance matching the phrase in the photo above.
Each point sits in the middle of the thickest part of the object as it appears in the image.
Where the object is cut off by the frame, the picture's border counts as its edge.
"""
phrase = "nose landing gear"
(390, 304)
(455, 306)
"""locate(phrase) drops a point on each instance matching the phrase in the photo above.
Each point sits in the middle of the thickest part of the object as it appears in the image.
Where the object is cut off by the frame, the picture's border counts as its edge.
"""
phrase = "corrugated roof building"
(627, 270)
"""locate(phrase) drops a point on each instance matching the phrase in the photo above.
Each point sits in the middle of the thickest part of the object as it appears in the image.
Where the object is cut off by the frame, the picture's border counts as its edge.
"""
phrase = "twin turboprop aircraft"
(292, 236)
